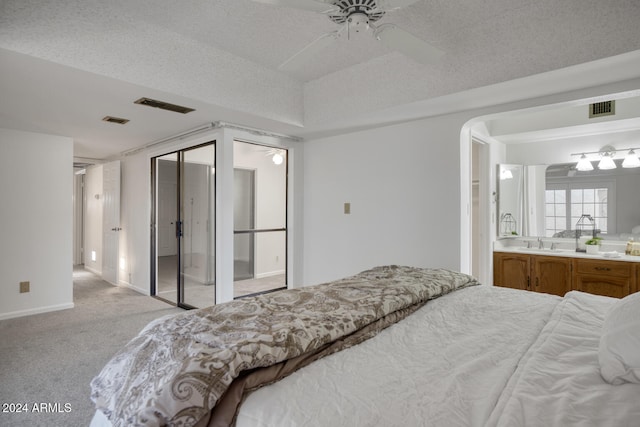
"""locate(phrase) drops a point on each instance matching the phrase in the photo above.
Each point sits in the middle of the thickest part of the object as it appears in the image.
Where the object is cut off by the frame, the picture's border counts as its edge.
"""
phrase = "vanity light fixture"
(606, 162)
(631, 160)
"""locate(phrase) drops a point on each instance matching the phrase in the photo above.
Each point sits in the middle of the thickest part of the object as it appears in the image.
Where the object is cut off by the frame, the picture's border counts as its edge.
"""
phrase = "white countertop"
(568, 253)
(565, 248)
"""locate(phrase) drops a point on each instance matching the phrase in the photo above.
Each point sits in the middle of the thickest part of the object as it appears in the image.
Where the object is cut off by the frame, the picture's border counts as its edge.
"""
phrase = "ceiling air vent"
(117, 120)
(163, 105)
(599, 109)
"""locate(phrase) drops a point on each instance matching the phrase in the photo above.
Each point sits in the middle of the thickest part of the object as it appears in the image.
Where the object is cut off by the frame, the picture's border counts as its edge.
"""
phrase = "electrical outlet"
(24, 287)
(347, 208)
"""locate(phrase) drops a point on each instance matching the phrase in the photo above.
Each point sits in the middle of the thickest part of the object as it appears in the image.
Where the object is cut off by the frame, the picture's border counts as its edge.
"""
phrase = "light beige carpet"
(51, 358)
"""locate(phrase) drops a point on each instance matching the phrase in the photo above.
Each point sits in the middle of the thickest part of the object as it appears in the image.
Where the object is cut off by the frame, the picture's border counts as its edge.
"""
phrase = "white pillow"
(619, 352)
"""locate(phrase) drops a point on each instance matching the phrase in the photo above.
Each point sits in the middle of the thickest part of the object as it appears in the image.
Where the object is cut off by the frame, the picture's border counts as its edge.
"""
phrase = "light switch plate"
(347, 208)
(24, 287)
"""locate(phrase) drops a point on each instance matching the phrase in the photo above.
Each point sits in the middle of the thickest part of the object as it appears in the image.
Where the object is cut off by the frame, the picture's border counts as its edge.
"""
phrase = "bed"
(392, 346)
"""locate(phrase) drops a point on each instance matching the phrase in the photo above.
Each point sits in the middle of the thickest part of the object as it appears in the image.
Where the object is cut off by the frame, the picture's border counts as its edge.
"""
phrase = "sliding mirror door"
(197, 241)
(166, 247)
(184, 222)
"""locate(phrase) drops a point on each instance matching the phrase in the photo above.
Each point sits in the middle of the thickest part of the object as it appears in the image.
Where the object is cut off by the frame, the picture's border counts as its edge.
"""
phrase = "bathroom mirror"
(515, 197)
(510, 199)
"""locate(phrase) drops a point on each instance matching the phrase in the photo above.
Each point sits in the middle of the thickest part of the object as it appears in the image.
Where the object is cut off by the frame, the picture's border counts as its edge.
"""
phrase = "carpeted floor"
(51, 358)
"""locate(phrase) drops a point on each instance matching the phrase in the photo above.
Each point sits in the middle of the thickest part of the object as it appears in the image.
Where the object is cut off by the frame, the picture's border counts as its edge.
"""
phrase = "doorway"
(260, 218)
(183, 226)
(481, 253)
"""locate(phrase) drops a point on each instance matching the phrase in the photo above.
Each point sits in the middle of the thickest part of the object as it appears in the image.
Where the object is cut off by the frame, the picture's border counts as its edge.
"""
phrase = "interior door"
(111, 221)
(260, 218)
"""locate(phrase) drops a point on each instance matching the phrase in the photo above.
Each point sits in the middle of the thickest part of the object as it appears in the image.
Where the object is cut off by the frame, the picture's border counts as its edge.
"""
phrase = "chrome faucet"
(540, 243)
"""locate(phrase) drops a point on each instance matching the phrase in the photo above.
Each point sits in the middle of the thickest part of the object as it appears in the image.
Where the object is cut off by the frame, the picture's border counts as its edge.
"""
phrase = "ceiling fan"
(355, 16)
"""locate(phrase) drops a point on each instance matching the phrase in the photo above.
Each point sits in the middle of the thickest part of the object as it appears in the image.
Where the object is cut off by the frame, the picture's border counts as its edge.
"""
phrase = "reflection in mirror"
(510, 199)
(609, 196)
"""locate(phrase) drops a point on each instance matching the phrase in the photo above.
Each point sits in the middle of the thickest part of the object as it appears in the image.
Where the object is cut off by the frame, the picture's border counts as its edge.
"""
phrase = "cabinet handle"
(603, 269)
(537, 281)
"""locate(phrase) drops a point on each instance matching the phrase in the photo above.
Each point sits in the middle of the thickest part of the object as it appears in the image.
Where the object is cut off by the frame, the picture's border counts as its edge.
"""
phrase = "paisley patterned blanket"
(180, 367)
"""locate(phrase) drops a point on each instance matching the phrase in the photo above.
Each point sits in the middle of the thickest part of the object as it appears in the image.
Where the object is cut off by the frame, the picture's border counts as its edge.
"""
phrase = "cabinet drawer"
(615, 287)
(608, 268)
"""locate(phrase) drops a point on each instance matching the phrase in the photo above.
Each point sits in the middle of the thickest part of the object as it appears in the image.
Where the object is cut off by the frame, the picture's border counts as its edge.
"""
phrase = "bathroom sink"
(545, 250)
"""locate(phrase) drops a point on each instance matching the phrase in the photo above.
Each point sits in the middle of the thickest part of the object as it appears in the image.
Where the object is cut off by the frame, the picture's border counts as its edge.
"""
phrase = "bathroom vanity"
(560, 270)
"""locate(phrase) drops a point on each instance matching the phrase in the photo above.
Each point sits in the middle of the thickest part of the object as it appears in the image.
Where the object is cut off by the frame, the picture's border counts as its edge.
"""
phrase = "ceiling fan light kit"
(356, 16)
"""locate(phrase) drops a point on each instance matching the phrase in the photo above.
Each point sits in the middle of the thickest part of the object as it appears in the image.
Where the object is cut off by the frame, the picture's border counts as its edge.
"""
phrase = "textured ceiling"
(225, 53)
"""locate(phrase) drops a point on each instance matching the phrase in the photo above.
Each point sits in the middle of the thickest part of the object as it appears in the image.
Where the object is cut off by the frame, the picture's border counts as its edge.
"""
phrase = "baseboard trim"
(94, 271)
(32, 311)
(269, 274)
(134, 288)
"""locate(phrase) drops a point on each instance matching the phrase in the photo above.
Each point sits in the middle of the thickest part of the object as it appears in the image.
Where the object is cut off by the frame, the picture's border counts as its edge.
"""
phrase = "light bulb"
(277, 159)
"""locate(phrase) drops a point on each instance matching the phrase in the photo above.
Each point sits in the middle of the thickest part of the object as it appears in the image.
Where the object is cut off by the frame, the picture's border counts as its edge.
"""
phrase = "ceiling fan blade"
(408, 44)
(395, 4)
(309, 52)
(312, 5)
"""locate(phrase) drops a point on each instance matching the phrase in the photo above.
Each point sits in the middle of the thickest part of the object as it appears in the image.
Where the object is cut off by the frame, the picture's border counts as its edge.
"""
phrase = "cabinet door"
(511, 270)
(616, 287)
(552, 275)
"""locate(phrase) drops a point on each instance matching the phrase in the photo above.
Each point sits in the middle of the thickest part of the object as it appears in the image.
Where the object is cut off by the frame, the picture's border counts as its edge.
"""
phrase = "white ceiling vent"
(163, 105)
(599, 109)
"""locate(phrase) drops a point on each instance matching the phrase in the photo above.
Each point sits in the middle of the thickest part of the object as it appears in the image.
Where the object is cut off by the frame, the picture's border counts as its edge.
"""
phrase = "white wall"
(403, 185)
(36, 186)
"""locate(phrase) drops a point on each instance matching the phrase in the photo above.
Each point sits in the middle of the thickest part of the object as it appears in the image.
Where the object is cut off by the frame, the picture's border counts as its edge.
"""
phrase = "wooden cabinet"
(512, 270)
(551, 275)
(609, 278)
(558, 275)
(546, 274)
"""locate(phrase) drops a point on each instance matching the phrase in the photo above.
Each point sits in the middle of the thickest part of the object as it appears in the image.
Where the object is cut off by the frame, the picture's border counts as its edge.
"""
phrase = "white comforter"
(558, 382)
(445, 365)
